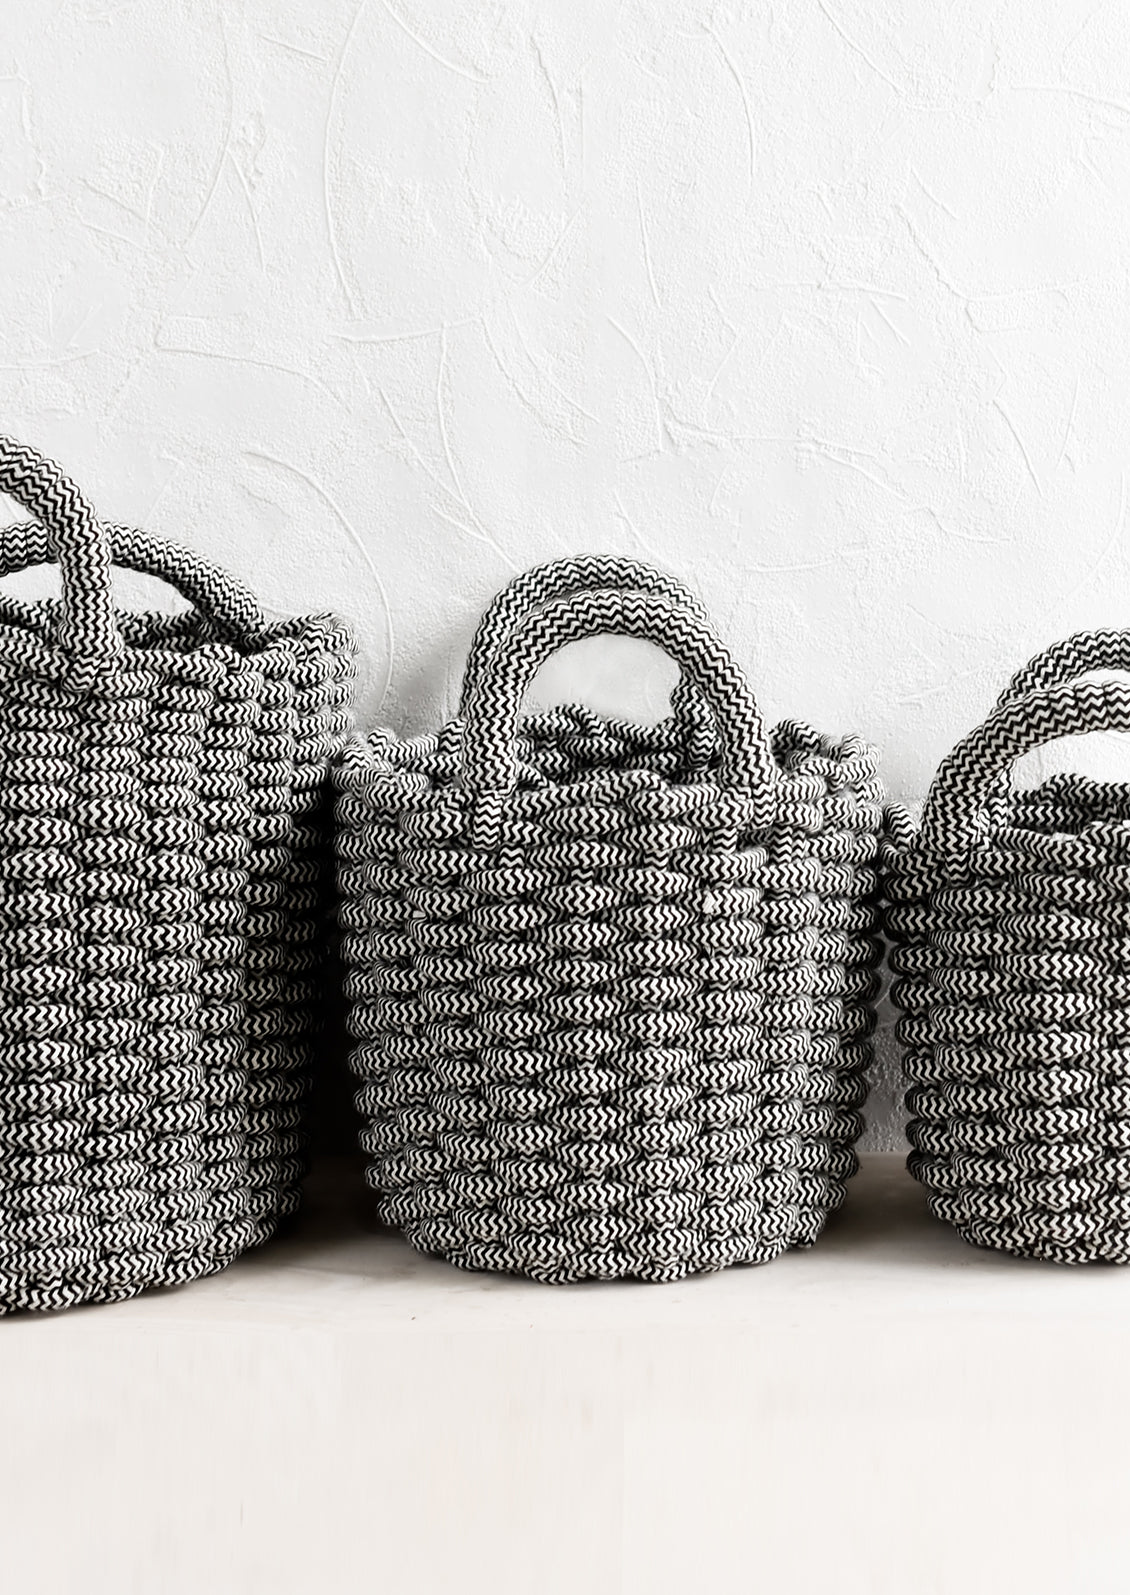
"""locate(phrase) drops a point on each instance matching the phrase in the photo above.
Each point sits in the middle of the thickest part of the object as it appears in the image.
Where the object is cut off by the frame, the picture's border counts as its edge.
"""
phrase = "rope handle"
(490, 760)
(568, 578)
(88, 631)
(68, 532)
(561, 578)
(970, 777)
(1066, 660)
(220, 597)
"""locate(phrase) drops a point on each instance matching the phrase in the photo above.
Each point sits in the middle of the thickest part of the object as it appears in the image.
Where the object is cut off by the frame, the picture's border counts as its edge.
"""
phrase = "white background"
(823, 305)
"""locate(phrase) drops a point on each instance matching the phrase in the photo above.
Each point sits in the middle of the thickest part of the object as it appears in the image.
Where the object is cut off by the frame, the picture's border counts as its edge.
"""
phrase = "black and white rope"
(1011, 949)
(533, 589)
(611, 1000)
(163, 889)
(1066, 661)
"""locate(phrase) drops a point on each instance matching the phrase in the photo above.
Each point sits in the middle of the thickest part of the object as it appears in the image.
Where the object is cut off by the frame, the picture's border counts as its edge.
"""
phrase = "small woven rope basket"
(611, 985)
(164, 816)
(1009, 914)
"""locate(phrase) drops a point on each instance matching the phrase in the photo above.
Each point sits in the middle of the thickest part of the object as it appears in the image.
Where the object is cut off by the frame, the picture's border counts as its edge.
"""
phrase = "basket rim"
(155, 638)
(382, 754)
(1005, 821)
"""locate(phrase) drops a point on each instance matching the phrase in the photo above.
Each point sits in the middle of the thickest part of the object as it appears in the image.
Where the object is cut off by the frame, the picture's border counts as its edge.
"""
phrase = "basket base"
(654, 1258)
(1018, 1240)
(120, 1277)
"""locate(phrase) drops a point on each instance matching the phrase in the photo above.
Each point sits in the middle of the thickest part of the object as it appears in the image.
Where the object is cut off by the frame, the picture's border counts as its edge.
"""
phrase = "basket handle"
(490, 760)
(561, 578)
(1065, 661)
(88, 631)
(567, 578)
(972, 775)
(225, 602)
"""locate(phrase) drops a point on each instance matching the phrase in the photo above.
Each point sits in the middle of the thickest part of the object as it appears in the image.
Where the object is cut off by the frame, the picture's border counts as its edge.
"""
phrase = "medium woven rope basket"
(1010, 918)
(163, 843)
(611, 985)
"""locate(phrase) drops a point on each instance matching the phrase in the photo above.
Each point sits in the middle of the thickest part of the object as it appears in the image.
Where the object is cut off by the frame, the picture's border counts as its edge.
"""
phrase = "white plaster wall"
(824, 305)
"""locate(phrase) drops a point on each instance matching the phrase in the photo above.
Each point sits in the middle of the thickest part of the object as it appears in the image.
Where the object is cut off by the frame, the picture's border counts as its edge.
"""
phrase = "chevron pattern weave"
(162, 908)
(611, 985)
(1011, 931)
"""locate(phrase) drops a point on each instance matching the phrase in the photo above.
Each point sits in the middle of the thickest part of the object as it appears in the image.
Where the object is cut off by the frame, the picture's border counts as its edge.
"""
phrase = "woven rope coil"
(611, 985)
(1011, 948)
(163, 889)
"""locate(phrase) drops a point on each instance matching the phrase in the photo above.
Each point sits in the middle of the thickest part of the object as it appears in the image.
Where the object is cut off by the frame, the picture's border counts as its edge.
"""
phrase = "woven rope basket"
(163, 814)
(611, 984)
(1010, 917)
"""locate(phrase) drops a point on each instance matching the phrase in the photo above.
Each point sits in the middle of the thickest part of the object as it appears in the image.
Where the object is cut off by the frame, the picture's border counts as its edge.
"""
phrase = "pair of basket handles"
(66, 531)
(1044, 701)
(539, 612)
(566, 600)
(555, 603)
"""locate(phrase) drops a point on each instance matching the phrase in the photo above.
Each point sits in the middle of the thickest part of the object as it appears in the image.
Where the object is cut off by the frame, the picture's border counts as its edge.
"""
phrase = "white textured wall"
(822, 304)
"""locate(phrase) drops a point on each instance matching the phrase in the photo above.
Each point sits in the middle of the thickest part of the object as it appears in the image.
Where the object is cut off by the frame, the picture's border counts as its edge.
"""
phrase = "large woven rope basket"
(611, 984)
(163, 841)
(1010, 917)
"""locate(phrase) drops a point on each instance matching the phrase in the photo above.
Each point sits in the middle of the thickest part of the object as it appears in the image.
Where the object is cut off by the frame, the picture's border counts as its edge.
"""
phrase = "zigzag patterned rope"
(163, 889)
(541, 585)
(969, 779)
(1011, 951)
(87, 631)
(627, 1033)
(493, 709)
(1066, 661)
(219, 596)
(557, 579)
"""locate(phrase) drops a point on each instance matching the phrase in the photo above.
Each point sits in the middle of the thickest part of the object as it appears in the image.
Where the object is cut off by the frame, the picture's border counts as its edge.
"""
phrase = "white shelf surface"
(891, 1411)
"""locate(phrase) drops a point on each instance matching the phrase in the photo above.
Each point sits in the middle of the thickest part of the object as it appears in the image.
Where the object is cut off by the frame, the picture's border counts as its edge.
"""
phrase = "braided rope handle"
(561, 578)
(220, 597)
(490, 761)
(1065, 661)
(972, 775)
(88, 631)
(68, 532)
(568, 578)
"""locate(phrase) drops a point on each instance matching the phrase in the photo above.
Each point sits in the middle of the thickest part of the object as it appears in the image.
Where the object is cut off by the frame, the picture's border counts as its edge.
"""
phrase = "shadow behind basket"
(1010, 918)
(162, 901)
(610, 984)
